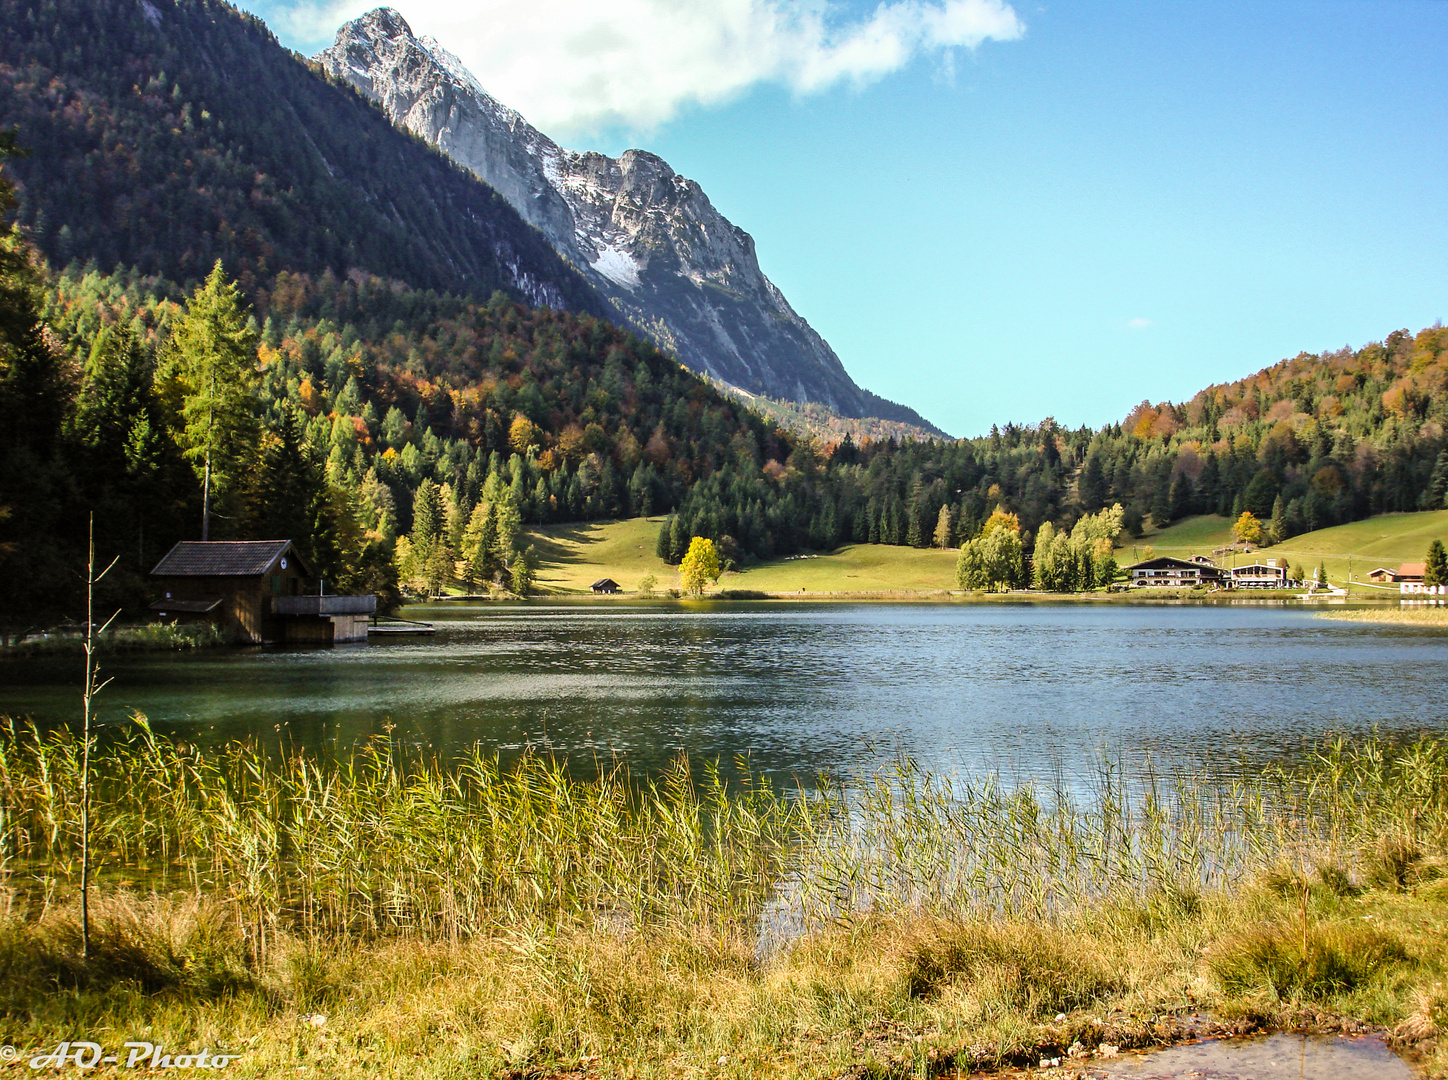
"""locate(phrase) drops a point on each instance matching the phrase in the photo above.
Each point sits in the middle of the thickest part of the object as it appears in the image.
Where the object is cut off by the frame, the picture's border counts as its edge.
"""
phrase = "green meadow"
(575, 556)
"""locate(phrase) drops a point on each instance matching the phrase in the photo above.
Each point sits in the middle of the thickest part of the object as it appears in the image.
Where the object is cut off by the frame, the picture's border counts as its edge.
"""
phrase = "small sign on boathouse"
(263, 590)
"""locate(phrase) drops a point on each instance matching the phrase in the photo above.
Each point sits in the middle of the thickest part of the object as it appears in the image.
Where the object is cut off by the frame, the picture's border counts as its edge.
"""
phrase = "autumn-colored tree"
(993, 561)
(1247, 529)
(944, 529)
(699, 566)
(311, 399)
(521, 433)
(1001, 518)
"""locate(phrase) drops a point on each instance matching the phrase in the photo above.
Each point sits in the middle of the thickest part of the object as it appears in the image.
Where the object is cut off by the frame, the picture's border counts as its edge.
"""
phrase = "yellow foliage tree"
(521, 433)
(700, 566)
(1001, 518)
(1247, 529)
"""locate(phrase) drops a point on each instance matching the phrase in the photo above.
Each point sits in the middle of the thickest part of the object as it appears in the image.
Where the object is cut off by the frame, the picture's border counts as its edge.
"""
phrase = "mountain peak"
(387, 21)
(646, 238)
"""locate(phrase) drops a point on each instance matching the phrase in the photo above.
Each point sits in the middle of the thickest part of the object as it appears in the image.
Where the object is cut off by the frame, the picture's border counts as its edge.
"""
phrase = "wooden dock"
(389, 627)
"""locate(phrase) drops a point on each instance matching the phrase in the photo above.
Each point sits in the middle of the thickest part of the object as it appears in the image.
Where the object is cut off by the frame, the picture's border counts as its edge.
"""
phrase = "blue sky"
(1120, 201)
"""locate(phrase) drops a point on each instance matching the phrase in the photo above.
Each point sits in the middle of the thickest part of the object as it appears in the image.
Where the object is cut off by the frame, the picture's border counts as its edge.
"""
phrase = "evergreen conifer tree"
(209, 379)
(1092, 486)
(1437, 491)
(678, 539)
(1435, 567)
(1277, 530)
(1183, 498)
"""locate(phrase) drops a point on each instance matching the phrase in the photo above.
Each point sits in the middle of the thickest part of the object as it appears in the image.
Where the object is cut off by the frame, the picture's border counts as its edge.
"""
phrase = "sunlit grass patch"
(1314, 962)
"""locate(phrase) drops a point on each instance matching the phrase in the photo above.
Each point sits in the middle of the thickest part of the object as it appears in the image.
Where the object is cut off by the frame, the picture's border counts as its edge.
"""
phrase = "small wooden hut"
(261, 589)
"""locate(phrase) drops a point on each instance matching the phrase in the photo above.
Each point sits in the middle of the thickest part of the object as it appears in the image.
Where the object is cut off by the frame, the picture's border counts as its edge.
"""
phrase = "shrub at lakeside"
(153, 637)
(391, 915)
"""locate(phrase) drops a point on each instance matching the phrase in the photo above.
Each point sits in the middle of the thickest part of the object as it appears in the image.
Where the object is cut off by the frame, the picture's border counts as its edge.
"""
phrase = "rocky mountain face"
(646, 238)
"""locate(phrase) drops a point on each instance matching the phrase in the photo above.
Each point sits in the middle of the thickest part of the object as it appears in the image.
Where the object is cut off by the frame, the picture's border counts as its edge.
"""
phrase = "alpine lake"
(1032, 691)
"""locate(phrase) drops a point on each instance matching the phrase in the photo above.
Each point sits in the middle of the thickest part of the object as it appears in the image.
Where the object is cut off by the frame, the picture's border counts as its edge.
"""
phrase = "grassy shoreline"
(148, 637)
(398, 916)
(1395, 616)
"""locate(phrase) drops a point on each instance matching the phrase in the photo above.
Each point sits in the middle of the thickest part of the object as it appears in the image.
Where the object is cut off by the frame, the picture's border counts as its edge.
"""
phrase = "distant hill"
(165, 134)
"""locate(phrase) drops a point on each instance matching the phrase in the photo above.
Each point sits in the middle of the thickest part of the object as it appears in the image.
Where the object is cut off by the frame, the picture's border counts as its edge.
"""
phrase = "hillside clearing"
(572, 557)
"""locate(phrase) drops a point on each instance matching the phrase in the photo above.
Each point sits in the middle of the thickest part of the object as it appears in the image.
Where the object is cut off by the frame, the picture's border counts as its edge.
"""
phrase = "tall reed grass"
(389, 842)
(459, 917)
(907, 839)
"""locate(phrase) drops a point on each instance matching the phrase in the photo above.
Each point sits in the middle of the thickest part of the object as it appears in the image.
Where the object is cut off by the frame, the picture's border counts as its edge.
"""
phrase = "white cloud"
(575, 66)
(1138, 323)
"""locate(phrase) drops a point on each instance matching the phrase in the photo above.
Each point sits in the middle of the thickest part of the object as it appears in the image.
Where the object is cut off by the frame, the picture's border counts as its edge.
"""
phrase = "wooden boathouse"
(263, 590)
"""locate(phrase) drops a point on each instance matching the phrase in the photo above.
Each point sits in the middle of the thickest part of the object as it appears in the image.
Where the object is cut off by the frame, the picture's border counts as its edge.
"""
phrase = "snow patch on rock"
(618, 266)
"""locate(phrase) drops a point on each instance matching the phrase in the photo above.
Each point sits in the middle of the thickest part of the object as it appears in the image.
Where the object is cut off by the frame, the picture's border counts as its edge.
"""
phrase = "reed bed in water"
(1402, 616)
(906, 839)
(385, 842)
(462, 918)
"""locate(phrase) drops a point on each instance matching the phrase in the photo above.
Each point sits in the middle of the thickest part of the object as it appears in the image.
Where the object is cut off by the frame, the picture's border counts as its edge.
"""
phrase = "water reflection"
(804, 689)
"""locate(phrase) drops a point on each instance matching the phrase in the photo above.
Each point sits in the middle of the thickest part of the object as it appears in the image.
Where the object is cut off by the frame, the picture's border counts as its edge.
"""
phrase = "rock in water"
(648, 239)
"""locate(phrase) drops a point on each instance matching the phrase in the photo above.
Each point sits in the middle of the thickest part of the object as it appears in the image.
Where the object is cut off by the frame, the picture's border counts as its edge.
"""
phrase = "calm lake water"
(1031, 690)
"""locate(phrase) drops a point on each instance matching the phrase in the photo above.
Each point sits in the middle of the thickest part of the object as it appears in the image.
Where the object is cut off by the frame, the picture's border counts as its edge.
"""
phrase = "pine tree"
(1161, 506)
(1092, 486)
(209, 379)
(678, 540)
(395, 428)
(1437, 491)
(1435, 568)
(1182, 497)
(35, 570)
(914, 534)
(1277, 530)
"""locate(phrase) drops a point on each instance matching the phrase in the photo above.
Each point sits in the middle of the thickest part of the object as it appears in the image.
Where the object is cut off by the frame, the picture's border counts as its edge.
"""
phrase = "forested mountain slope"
(165, 134)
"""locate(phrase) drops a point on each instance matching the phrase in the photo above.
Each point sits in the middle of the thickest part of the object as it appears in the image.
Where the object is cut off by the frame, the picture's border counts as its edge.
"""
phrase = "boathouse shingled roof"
(224, 558)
